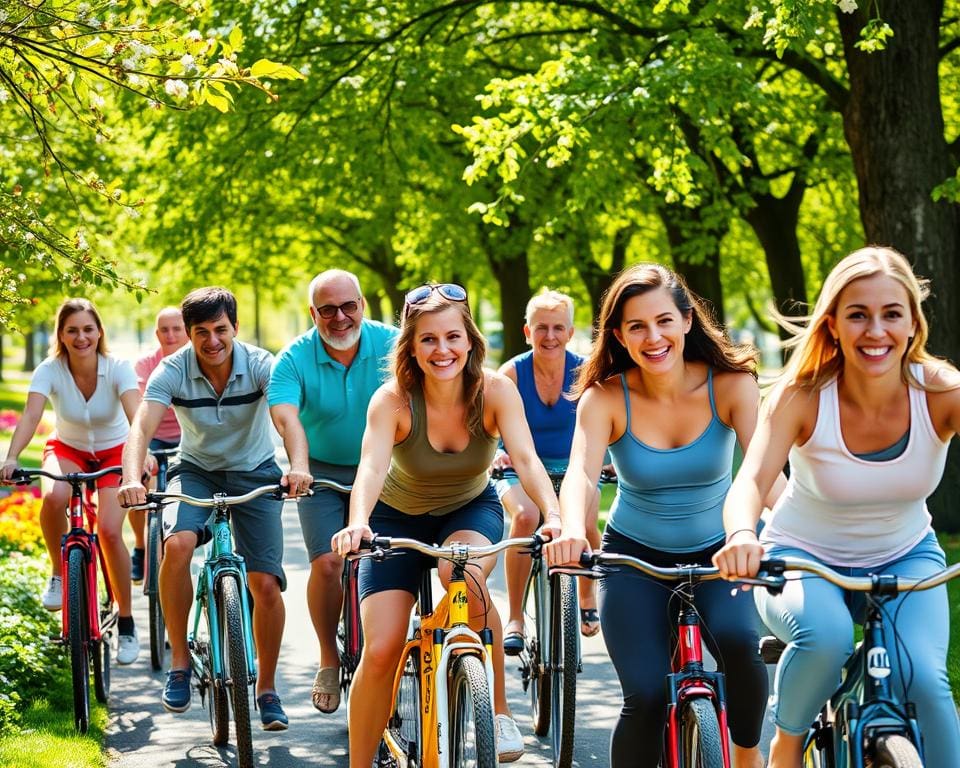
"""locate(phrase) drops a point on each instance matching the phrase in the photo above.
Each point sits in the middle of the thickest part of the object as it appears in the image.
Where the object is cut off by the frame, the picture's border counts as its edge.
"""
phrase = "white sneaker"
(128, 648)
(509, 740)
(52, 597)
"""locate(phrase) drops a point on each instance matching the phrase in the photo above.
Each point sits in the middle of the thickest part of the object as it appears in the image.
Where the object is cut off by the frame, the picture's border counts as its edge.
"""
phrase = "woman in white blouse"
(94, 398)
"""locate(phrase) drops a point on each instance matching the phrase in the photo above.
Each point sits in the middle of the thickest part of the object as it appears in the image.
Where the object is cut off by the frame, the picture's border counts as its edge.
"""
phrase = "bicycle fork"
(689, 680)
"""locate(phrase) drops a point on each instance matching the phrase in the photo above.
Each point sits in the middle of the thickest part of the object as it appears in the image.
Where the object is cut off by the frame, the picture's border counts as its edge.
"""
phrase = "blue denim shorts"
(482, 514)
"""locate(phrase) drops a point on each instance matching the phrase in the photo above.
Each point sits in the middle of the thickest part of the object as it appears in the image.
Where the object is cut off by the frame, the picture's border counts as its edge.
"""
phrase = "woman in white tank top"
(865, 414)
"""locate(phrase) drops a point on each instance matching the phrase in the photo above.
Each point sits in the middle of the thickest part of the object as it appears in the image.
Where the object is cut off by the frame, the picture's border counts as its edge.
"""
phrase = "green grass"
(47, 738)
(951, 545)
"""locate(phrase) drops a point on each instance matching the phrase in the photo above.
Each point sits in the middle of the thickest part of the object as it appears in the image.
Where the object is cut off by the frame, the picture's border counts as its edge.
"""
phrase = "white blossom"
(188, 63)
(847, 6)
(176, 88)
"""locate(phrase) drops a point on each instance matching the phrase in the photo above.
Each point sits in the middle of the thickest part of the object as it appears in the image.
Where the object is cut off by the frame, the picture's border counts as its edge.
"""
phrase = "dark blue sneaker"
(272, 716)
(176, 691)
(136, 566)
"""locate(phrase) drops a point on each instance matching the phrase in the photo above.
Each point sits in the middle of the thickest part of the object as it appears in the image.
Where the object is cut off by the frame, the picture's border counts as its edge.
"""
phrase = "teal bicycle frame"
(220, 561)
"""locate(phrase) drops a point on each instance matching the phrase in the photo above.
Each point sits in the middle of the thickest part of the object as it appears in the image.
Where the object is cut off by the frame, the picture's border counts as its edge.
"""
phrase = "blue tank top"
(672, 499)
(551, 425)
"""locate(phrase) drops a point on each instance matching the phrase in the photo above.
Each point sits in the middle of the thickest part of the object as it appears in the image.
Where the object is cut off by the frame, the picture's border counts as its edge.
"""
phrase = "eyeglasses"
(449, 291)
(329, 311)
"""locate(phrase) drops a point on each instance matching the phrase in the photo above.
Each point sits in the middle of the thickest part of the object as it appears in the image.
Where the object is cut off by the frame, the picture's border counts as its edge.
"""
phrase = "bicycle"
(442, 715)
(86, 628)
(863, 723)
(222, 603)
(550, 660)
(696, 733)
(154, 553)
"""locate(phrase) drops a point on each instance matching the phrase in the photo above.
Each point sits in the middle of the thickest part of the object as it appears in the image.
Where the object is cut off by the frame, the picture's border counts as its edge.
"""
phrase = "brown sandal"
(589, 622)
(326, 690)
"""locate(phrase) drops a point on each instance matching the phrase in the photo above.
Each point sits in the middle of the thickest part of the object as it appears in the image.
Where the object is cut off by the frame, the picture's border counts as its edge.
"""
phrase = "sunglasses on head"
(329, 311)
(449, 291)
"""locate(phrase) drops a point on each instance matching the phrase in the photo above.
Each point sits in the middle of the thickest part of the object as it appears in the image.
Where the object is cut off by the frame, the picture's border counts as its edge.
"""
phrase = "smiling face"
(873, 324)
(652, 330)
(213, 341)
(441, 345)
(548, 332)
(80, 334)
(342, 330)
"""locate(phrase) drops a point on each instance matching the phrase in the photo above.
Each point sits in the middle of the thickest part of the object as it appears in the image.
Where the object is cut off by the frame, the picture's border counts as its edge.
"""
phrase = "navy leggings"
(639, 621)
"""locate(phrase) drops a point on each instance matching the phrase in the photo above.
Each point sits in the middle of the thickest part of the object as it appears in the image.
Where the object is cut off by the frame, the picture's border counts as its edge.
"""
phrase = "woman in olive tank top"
(431, 434)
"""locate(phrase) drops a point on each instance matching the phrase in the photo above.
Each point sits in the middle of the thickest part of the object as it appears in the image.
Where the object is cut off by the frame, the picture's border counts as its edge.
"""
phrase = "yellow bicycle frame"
(447, 622)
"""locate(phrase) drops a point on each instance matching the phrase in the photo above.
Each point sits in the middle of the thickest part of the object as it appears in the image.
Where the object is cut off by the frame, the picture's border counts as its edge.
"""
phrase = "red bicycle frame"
(689, 680)
(82, 509)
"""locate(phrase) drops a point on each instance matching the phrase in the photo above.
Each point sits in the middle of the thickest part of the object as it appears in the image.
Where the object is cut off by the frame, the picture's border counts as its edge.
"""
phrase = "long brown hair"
(410, 377)
(815, 359)
(64, 311)
(705, 341)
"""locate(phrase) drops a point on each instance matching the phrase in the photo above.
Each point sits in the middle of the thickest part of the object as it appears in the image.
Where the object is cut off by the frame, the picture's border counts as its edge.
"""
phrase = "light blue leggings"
(815, 619)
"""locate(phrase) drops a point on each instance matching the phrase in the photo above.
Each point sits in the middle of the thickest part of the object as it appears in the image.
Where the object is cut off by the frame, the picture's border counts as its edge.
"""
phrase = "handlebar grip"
(588, 559)
(20, 477)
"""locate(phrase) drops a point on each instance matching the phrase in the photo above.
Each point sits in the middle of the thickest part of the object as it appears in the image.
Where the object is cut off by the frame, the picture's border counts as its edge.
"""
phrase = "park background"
(148, 147)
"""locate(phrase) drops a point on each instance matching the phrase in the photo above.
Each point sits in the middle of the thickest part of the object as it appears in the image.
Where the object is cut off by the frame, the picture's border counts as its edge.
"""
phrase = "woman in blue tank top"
(670, 395)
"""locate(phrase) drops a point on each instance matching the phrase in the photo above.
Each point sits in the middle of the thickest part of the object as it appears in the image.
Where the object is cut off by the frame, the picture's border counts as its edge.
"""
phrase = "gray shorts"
(324, 513)
(257, 527)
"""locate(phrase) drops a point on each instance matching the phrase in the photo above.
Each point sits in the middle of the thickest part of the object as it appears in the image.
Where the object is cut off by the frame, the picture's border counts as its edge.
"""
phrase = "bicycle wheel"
(217, 707)
(564, 652)
(895, 751)
(700, 743)
(158, 634)
(78, 628)
(349, 637)
(404, 724)
(472, 741)
(236, 654)
(537, 652)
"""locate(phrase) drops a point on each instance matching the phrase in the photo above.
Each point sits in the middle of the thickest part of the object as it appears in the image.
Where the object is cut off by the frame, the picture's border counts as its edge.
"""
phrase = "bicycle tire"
(405, 725)
(565, 651)
(700, 741)
(895, 751)
(537, 653)
(349, 636)
(236, 654)
(158, 632)
(217, 703)
(78, 629)
(472, 740)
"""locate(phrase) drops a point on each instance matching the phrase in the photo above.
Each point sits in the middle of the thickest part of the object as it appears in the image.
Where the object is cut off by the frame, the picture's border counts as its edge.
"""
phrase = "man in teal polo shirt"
(319, 391)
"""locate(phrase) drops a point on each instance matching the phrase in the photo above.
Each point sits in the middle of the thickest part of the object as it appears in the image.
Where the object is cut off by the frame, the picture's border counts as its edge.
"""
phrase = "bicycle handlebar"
(333, 485)
(592, 564)
(498, 473)
(878, 583)
(378, 546)
(24, 476)
(217, 499)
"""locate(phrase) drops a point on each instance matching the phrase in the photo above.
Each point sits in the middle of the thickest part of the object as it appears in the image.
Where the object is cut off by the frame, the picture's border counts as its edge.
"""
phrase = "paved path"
(142, 735)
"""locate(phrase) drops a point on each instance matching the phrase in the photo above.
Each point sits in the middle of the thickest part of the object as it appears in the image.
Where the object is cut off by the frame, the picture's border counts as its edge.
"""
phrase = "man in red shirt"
(172, 335)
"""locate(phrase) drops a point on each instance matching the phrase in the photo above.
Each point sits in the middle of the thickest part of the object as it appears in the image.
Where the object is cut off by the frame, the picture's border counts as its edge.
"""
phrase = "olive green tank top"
(422, 480)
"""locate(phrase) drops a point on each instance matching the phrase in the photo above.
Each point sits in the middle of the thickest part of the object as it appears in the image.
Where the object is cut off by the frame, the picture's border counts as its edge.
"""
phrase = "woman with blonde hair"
(430, 437)
(94, 397)
(865, 415)
(670, 395)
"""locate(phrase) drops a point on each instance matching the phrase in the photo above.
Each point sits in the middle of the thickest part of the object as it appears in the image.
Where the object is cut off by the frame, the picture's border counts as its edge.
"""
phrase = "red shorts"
(87, 461)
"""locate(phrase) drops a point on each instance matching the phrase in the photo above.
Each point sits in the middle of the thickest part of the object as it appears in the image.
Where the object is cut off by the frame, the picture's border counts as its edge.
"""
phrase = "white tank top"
(849, 511)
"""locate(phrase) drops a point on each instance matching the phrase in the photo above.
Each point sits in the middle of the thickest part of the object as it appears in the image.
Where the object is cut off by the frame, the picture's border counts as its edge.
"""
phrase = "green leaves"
(265, 69)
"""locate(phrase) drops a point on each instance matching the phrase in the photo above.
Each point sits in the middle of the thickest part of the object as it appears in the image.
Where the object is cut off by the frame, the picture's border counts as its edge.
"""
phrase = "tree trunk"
(506, 251)
(702, 270)
(29, 353)
(894, 126)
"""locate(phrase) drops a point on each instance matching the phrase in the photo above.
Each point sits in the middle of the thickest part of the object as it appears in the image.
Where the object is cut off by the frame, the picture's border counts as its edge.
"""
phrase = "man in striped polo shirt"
(217, 387)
